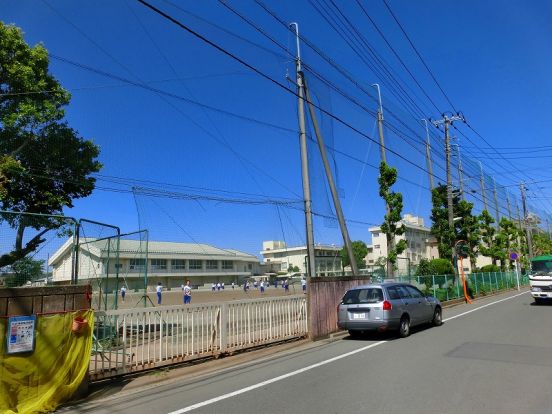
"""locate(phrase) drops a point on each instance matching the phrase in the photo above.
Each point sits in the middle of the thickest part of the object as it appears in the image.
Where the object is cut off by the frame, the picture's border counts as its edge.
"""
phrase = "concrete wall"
(325, 295)
(46, 299)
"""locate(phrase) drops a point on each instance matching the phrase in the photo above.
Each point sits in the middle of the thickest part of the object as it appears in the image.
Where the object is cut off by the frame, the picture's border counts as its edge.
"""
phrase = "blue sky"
(491, 59)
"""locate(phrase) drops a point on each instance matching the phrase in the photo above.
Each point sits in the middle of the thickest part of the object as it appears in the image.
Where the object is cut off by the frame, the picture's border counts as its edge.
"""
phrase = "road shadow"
(543, 304)
(387, 335)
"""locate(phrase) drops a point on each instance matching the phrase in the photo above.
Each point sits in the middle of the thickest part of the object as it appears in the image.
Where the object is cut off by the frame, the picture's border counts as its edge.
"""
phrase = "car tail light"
(387, 305)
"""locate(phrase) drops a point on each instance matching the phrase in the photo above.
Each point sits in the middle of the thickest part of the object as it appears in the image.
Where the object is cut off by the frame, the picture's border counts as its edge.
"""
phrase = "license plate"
(359, 316)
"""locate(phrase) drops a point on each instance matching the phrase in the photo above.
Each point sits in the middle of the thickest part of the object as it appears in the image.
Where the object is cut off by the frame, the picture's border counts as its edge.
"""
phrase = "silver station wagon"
(387, 306)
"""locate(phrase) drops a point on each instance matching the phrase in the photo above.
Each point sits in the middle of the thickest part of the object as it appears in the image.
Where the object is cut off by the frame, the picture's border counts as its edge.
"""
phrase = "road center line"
(319, 364)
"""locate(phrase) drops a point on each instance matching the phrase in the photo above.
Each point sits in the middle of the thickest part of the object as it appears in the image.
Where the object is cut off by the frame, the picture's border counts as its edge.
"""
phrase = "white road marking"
(484, 306)
(319, 364)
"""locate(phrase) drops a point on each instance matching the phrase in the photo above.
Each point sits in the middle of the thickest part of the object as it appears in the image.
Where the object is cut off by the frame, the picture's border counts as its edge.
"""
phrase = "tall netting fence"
(112, 263)
(30, 246)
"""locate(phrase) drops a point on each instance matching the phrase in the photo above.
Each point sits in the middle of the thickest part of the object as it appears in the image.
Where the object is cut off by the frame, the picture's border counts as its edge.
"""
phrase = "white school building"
(167, 262)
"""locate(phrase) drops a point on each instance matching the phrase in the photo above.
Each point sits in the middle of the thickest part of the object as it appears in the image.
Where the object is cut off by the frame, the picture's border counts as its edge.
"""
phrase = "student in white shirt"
(159, 289)
(187, 293)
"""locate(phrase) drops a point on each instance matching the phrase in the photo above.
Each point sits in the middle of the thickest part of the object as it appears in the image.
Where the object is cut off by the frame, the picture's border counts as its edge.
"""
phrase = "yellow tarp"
(38, 382)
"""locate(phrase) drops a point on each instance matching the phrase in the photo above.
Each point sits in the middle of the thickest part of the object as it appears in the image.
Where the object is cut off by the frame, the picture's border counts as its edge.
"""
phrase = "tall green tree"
(360, 250)
(44, 163)
(489, 247)
(506, 241)
(440, 228)
(391, 225)
(467, 228)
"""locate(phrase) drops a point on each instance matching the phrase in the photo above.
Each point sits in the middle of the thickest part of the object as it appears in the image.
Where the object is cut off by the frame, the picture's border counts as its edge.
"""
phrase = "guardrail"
(131, 340)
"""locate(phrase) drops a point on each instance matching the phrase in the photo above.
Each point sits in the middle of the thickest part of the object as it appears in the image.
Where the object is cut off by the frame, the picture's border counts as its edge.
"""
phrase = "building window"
(158, 264)
(118, 266)
(196, 264)
(178, 264)
(137, 264)
(250, 266)
(212, 264)
(375, 234)
(376, 246)
(227, 264)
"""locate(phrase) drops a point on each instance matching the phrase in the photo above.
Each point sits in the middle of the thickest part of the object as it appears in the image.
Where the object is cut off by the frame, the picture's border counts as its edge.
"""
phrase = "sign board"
(20, 334)
(513, 256)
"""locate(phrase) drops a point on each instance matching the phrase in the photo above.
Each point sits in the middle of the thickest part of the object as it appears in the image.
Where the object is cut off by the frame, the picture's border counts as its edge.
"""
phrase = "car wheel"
(404, 327)
(354, 334)
(437, 317)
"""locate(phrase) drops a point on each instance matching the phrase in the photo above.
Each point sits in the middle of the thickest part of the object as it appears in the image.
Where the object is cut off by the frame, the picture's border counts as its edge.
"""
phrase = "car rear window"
(368, 295)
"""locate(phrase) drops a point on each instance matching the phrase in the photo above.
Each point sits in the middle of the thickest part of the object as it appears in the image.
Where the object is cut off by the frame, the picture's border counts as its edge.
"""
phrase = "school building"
(327, 258)
(167, 262)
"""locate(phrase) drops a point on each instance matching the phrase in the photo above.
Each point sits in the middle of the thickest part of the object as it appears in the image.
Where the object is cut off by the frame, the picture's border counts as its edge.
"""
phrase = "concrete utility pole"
(519, 216)
(329, 176)
(428, 158)
(380, 124)
(526, 220)
(447, 121)
(497, 214)
(460, 170)
(508, 206)
(390, 239)
(311, 268)
(482, 182)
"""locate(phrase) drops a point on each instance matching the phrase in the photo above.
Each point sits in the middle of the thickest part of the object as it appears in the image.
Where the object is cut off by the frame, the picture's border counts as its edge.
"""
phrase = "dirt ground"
(175, 296)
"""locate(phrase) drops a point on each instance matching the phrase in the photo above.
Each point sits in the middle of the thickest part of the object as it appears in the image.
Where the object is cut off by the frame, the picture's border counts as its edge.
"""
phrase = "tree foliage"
(424, 268)
(440, 228)
(391, 225)
(25, 270)
(360, 250)
(434, 267)
(542, 244)
(489, 247)
(506, 241)
(44, 163)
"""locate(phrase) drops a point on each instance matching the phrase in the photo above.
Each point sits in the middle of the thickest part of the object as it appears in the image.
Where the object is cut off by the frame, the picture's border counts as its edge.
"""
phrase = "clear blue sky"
(491, 58)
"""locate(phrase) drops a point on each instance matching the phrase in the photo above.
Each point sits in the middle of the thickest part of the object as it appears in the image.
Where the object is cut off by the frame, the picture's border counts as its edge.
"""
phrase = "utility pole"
(497, 214)
(311, 269)
(508, 206)
(390, 239)
(482, 182)
(460, 170)
(380, 124)
(447, 121)
(329, 176)
(526, 219)
(519, 216)
(428, 158)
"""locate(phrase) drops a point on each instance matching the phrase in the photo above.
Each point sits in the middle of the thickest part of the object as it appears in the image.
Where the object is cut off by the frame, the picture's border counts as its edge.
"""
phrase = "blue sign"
(514, 256)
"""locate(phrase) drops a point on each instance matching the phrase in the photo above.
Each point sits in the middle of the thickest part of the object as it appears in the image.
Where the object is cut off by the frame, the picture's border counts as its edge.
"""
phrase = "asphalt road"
(494, 356)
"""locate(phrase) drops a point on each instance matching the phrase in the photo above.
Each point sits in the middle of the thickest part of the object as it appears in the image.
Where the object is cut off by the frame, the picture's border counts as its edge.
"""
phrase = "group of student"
(220, 285)
(187, 289)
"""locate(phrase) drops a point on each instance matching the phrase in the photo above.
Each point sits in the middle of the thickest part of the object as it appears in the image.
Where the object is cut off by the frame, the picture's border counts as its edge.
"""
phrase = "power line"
(418, 54)
(267, 77)
(397, 55)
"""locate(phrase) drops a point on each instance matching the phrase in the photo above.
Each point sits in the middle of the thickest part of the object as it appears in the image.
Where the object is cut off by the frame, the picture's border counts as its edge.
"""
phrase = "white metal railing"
(130, 340)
